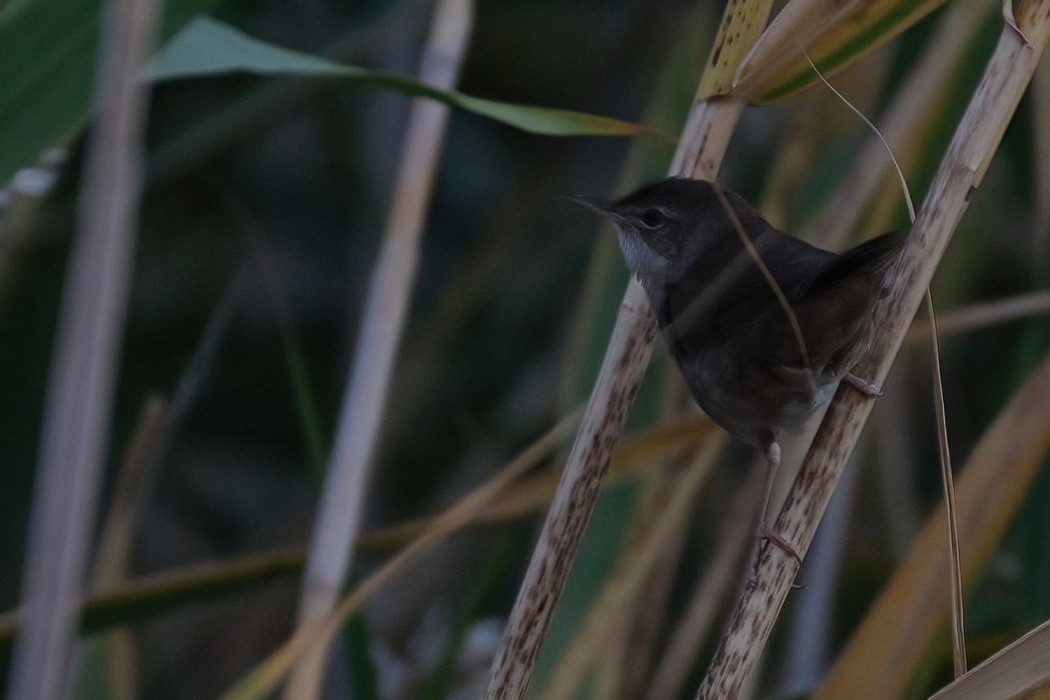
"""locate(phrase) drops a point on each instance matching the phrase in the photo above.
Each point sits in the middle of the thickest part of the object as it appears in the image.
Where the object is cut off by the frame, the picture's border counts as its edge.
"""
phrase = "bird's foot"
(769, 534)
(863, 385)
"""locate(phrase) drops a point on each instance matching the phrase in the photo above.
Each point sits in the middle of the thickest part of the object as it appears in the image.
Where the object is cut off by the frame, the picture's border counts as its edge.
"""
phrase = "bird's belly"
(751, 401)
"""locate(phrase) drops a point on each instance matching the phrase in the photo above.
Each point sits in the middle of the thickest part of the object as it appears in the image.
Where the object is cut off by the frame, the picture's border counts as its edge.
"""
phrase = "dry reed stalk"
(636, 560)
(342, 498)
(82, 381)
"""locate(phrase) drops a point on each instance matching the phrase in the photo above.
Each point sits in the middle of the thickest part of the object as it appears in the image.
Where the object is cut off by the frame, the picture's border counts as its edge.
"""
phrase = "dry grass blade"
(83, 371)
(318, 633)
(734, 539)
(630, 456)
(962, 170)
(154, 594)
(1020, 670)
(991, 488)
(114, 549)
(342, 500)
(535, 492)
(834, 32)
(700, 150)
(117, 534)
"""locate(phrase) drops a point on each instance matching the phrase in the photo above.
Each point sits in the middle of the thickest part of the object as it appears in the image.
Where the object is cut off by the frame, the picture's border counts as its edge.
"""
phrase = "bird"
(762, 325)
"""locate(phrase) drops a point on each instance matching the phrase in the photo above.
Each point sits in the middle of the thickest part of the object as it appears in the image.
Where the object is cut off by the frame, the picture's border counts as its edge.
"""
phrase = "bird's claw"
(863, 385)
(767, 533)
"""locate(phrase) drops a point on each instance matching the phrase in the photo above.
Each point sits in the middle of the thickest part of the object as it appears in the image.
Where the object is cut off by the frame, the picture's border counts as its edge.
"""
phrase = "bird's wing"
(728, 295)
(833, 311)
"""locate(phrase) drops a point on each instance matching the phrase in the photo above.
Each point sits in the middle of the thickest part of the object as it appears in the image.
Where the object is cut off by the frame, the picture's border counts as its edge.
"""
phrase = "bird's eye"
(653, 217)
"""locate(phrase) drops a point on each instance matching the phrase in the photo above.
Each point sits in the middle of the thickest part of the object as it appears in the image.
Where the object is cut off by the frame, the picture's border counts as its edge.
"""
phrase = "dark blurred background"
(262, 213)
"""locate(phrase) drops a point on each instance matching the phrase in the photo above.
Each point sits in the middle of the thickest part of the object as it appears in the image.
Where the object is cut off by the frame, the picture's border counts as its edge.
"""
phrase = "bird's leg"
(766, 532)
(862, 385)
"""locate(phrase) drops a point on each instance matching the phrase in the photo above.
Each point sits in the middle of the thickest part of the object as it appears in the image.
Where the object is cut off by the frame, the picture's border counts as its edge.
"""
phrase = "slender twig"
(83, 372)
(771, 281)
(950, 509)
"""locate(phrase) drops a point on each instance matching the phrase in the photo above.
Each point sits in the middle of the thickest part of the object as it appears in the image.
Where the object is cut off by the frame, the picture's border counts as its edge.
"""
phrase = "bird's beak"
(600, 207)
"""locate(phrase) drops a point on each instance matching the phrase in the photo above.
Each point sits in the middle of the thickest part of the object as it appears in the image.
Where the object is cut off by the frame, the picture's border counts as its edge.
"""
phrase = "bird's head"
(661, 226)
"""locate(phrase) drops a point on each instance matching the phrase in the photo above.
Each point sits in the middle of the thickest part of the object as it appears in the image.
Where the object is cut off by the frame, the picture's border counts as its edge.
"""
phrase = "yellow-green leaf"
(834, 34)
(207, 47)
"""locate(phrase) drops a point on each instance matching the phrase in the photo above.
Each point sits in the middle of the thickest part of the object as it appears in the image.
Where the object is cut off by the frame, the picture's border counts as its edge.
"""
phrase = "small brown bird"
(756, 369)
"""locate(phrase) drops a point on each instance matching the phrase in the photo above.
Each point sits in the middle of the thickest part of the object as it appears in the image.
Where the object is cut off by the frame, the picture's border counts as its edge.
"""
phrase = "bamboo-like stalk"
(573, 503)
(962, 170)
(342, 499)
(632, 569)
(870, 193)
(700, 151)
(79, 402)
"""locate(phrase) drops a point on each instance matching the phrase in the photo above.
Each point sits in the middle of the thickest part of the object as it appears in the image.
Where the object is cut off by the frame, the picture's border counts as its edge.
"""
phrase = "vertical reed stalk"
(77, 410)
